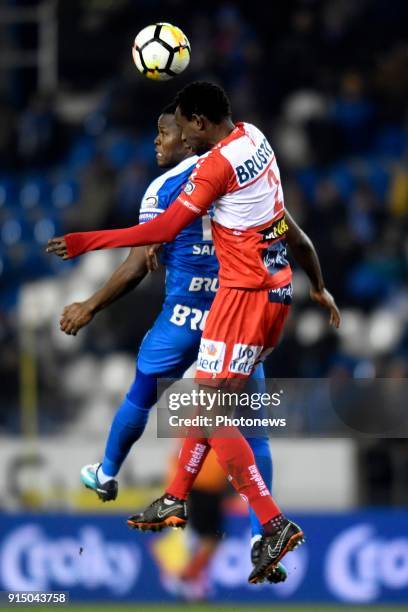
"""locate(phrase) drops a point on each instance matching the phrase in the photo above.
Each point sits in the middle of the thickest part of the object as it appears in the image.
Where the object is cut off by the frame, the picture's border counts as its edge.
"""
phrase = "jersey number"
(273, 181)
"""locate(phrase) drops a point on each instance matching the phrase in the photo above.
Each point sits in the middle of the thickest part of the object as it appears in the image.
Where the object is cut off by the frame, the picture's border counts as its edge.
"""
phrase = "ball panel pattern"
(161, 51)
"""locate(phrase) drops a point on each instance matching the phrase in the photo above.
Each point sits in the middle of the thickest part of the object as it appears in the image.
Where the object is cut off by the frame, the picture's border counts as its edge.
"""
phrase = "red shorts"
(242, 328)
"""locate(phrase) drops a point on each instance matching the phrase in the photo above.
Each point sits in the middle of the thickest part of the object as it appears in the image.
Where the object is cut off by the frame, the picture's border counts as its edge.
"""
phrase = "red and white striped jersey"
(240, 177)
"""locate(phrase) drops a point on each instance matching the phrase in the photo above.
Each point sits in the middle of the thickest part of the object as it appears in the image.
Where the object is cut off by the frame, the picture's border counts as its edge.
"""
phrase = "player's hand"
(74, 317)
(152, 260)
(57, 246)
(325, 299)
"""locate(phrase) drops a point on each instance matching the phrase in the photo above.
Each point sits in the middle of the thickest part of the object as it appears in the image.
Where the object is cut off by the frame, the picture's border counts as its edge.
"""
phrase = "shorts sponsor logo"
(212, 350)
(199, 283)
(196, 317)
(244, 357)
(211, 356)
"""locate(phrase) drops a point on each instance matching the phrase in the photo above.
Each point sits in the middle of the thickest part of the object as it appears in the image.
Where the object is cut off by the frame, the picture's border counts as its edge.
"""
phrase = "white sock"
(101, 476)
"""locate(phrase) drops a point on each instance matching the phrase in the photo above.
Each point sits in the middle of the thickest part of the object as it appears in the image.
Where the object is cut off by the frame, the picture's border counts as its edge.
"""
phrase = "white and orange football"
(161, 51)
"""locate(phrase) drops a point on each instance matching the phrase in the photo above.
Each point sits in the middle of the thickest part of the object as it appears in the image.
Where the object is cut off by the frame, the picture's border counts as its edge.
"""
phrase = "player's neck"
(178, 160)
(221, 131)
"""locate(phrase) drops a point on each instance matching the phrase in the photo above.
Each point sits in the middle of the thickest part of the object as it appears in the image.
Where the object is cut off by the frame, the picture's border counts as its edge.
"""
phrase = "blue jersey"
(191, 264)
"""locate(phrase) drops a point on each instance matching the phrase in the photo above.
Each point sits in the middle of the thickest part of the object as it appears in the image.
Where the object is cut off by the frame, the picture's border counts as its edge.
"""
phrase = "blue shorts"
(171, 345)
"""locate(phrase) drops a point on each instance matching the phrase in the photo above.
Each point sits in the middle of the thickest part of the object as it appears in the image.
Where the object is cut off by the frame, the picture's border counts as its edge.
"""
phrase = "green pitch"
(186, 607)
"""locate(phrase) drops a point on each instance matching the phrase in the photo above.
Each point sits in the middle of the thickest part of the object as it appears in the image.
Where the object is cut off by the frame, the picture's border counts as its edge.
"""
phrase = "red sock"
(237, 460)
(191, 458)
(199, 562)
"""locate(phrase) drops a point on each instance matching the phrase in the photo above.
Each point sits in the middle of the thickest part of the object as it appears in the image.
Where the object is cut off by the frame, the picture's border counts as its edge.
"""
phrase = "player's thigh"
(276, 316)
(242, 326)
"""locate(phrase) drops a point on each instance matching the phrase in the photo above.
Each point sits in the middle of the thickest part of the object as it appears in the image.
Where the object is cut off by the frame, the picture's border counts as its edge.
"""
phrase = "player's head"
(170, 149)
(201, 109)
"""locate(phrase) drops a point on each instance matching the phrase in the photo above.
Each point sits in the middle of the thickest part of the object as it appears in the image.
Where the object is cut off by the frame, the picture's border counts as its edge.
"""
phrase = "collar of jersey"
(237, 132)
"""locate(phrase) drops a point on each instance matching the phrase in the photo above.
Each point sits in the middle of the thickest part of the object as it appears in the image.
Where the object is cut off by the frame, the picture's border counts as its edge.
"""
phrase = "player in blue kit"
(171, 345)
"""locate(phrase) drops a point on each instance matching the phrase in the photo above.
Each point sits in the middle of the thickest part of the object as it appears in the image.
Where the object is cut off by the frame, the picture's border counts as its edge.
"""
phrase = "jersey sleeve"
(154, 202)
(163, 191)
(164, 228)
(208, 182)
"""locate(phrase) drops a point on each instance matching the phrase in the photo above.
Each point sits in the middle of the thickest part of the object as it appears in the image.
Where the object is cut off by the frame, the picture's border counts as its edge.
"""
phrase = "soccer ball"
(161, 51)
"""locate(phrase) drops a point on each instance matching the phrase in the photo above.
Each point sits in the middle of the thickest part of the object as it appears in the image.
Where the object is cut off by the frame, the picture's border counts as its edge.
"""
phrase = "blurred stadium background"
(328, 83)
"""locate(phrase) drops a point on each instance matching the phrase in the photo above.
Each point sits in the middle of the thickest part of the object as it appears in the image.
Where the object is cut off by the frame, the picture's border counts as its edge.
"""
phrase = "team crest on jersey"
(211, 356)
(151, 202)
(189, 188)
(244, 358)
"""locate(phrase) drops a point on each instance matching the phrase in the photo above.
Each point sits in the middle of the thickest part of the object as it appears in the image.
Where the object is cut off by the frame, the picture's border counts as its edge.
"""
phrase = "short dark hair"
(170, 109)
(203, 98)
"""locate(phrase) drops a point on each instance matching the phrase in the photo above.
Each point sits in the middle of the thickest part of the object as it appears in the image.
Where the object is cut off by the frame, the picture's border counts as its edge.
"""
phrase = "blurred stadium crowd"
(326, 80)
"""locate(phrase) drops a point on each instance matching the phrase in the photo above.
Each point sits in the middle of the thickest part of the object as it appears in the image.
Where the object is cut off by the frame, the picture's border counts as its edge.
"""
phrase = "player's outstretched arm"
(125, 278)
(163, 228)
(305, 255)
